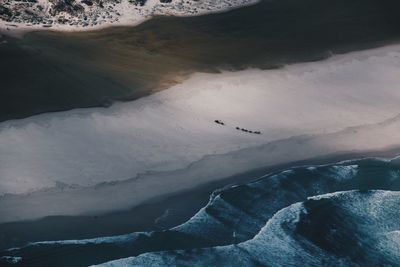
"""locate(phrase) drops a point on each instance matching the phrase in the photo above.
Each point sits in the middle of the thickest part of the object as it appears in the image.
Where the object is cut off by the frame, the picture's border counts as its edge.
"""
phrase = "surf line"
(219, 122)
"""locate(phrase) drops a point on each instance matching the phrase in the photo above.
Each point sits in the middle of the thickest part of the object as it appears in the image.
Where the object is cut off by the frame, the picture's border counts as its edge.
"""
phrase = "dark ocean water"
(48, 71)
(343, 214)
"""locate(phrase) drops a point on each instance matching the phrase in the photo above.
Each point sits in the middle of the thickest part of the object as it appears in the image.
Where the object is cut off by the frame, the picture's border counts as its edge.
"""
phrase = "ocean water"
(342, 214)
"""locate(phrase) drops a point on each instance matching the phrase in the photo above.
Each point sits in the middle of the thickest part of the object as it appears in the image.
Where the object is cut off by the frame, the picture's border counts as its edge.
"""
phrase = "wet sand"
(49, 71)
(159, 213)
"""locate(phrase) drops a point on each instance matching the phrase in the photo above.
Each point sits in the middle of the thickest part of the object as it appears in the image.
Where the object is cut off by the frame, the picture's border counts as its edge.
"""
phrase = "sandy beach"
(199, 133)
(125, 151)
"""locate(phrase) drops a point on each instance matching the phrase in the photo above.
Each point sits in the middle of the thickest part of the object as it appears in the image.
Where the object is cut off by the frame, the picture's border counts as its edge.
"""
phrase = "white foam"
(121, 13)
(277, 244)
(98, 240)
(11, 260)
(345, 172)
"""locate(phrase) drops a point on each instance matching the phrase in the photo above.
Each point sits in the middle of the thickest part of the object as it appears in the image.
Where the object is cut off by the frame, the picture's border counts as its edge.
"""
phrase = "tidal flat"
(52, 71)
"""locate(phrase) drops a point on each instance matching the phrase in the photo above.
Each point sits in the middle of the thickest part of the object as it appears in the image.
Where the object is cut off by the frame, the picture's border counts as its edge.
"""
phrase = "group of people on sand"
(238, 128)
(247, 131)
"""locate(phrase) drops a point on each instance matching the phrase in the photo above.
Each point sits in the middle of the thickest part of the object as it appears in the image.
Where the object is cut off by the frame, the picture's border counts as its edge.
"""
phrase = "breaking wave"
(344, 214)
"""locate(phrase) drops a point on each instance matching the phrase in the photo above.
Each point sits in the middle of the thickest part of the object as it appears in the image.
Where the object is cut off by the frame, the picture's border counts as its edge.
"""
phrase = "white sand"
(169, 142)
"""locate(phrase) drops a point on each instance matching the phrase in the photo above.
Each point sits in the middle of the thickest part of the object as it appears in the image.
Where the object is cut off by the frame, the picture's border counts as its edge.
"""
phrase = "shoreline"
(193, 121)
(125, 63)
(159, 213)
(25, 207)
(183, 138)
(18, 30)
(174, 80)
(129, 161)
